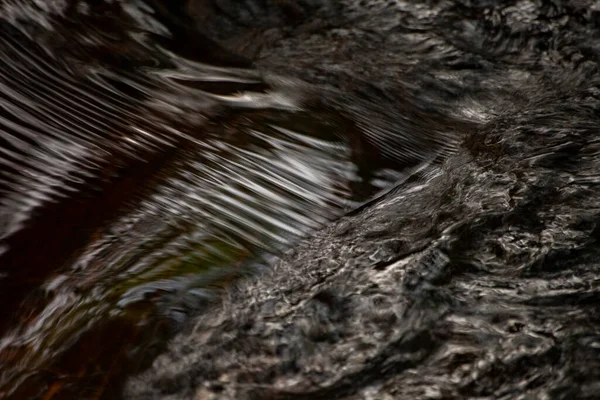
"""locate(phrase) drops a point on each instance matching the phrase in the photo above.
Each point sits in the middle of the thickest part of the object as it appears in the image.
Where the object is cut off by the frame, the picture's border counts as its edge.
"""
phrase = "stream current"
(153, 153)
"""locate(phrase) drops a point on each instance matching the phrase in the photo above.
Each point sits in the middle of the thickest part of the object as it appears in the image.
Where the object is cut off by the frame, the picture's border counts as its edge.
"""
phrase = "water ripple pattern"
(138, 177)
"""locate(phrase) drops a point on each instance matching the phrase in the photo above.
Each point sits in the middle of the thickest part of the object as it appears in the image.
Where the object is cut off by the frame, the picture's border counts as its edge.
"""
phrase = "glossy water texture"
(478, 277)
(137, 178)
(152, 153)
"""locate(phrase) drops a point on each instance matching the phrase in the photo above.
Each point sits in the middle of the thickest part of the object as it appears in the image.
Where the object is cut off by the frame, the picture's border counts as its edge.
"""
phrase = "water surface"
(138, 179)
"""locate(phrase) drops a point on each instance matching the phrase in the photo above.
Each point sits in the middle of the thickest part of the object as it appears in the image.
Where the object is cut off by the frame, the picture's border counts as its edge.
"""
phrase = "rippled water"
(137, 177)
(152, 153)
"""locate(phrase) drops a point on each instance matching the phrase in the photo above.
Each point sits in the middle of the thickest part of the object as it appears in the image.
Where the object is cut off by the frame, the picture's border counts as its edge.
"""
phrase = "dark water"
(152, 153)
(139, 175)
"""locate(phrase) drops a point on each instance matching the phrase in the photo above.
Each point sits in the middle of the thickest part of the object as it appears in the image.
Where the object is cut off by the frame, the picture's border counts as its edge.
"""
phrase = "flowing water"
(135, 180)
(153, 153)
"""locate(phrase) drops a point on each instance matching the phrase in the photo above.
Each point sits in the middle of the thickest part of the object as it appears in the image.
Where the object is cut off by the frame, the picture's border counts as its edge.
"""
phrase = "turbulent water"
(154, 152)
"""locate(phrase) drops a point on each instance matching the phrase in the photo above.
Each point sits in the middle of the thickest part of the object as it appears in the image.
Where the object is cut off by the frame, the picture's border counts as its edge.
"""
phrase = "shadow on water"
(140, 174)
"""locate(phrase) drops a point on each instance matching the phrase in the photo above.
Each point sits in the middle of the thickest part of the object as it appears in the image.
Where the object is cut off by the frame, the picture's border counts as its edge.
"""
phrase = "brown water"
(136, 181)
